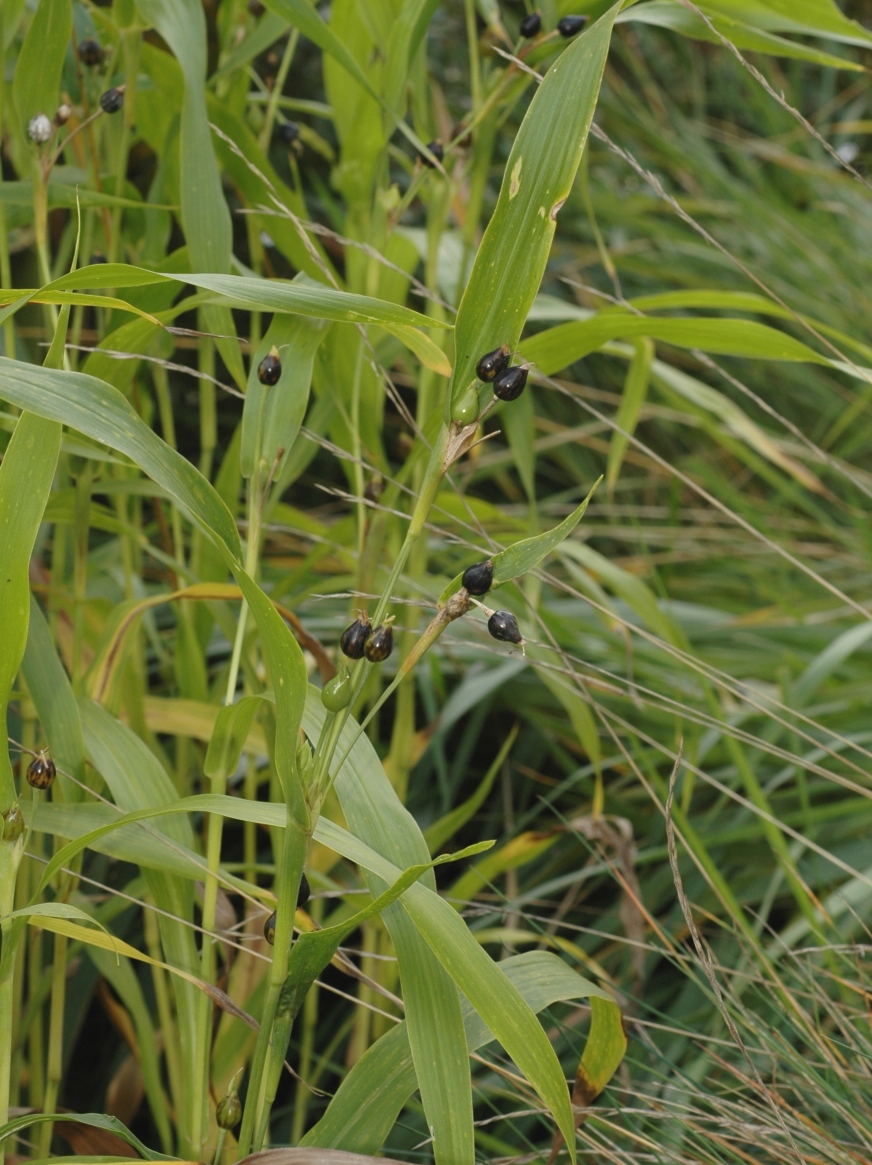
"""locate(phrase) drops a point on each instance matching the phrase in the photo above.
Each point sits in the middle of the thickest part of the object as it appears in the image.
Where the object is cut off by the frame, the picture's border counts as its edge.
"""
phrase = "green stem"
(276, 92)
(293, 856)
(130, 44)
(55, 1059)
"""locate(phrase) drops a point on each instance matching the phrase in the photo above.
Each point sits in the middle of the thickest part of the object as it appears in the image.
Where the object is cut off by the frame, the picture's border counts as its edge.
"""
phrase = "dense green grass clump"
(434, 606)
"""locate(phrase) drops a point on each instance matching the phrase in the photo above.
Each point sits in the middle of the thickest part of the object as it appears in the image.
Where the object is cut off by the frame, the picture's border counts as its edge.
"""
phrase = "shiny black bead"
(380, 643)
(41, 772)
(354, 638)
(99, 257)
(304, 893)
(492, 364)
(478, 578)
(504, 626)
(437, 150)
(571, 25)
(289, 131)
(112, 100)
(510, 384)
(531, 25)
(90, 53)
(269, 370)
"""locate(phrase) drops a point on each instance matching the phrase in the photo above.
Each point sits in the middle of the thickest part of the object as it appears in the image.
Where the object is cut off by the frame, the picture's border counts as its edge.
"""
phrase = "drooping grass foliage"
(602, 893)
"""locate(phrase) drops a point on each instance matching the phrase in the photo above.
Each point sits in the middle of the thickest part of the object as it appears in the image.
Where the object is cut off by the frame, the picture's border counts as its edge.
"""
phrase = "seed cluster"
(508, 381)
(363, 641)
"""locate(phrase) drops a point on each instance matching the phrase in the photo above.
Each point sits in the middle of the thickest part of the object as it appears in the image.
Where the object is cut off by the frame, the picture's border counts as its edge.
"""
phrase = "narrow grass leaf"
(525, 555)
(539, 175)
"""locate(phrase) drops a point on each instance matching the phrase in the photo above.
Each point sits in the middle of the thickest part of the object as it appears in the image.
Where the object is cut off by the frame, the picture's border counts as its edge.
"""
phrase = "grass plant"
(584, 829)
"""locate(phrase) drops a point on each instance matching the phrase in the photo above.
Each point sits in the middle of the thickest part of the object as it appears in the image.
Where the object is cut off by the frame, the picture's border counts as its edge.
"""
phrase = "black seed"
(90, 53)
(269, 929)
(112, 100)
(289, 131)
(478, 578)
(380, 644)
(99, 257)
(41, 772)
(571, 25)
(304, 893)
(531, 25)
(437, 150)
(354, 638)
(256, 8)
(269, 370)
(492, 364)
(510, 384)
(504, 626)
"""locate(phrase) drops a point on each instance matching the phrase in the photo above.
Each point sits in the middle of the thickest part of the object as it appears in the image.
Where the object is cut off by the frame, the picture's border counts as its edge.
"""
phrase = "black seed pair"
(569, 26)
(360, 641)
(269, 371)
(493, 368)
(269, 927)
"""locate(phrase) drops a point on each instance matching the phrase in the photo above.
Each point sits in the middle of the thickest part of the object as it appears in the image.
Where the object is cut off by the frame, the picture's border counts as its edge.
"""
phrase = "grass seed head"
(479, 577)
(336, 694)
(531, 25)
(112, 100)
(90, 53)
(269, 371)
(510, 384)
(228, 1114)
(492, 364)
(40, 129)
(380, 643)
(13, 823)
(41, 772)
(571, 25)
(354, 638)
(504, 626)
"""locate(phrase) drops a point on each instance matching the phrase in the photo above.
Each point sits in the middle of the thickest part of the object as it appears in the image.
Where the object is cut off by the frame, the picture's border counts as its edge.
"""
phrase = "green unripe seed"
(466, 410)
(336, 694)
(229, 1111)
(13, 823)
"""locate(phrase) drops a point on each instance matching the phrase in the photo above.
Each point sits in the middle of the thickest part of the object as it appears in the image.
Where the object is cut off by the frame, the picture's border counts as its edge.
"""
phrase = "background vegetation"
(698, 338)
